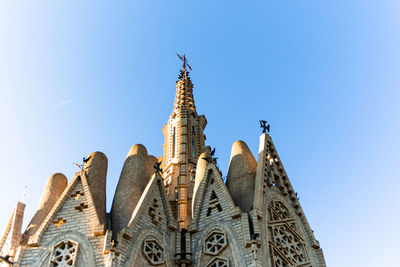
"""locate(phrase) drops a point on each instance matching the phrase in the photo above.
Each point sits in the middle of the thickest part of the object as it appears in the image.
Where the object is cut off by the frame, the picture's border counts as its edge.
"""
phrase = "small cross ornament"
(81, 207)
(77, 194)
(60, 221)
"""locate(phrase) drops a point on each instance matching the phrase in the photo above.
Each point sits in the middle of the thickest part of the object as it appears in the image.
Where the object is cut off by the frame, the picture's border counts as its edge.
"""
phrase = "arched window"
(288, 245)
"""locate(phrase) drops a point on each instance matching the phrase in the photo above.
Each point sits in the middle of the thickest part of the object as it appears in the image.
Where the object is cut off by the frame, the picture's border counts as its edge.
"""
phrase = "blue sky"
(78, 77)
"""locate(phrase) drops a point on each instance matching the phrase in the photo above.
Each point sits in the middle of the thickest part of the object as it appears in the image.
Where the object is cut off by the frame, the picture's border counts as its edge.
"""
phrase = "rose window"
(64, 254)
(153, 251)
(218, 262)
(215, 243)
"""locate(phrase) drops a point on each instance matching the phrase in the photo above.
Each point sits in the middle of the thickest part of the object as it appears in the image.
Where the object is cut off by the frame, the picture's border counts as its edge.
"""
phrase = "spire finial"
(184, 65)
(158, 169)
(264, 126)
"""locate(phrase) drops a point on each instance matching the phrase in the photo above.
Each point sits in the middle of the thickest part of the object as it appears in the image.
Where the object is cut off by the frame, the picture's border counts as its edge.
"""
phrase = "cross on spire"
(264, 126)
(184, 65)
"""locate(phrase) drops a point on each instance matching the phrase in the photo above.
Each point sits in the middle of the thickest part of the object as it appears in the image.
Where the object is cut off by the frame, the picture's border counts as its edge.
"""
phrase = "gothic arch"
(283, 227)
(135, 248)
(85, 252)
(232, 239)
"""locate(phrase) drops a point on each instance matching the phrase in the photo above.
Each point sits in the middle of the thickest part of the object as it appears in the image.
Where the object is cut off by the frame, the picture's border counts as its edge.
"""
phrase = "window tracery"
(215, 243)
(218, 262)
(64, 254)
(153, 251)
(287, 246)
(278, 211)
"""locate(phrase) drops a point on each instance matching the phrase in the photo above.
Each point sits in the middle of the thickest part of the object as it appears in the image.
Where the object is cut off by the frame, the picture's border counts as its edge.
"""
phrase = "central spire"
(184, 88)
(183, 143)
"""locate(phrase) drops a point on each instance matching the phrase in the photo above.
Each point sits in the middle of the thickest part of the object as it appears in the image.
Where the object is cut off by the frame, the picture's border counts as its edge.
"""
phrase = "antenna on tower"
(23, 197)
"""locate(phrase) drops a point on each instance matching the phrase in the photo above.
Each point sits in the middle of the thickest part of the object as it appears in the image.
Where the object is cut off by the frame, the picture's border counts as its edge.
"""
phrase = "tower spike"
(184, 142)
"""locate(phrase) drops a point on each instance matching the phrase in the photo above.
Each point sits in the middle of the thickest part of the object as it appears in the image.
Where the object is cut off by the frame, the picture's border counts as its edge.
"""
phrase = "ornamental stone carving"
(64, 254)
(218, 262)
(153, 251)
(287, 246)
(215, 243)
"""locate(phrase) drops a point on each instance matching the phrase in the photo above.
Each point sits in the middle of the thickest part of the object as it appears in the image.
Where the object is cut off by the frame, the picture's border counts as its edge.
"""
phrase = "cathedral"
(172, 210)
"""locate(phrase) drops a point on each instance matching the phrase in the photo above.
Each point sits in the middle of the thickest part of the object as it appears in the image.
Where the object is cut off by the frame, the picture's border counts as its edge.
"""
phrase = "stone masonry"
(185, 215)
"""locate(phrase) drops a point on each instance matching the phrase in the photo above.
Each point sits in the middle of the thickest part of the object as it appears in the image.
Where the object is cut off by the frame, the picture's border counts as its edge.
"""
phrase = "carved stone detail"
(287, 246)
(153, 251)
(60, 221)
(215, 243)
(64, 254)
(214, 203)
(218, 262)
(154, 212)
(77, 195)
(81, 207)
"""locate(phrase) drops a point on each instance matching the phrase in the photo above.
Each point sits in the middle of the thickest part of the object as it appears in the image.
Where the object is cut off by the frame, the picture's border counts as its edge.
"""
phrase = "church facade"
(177, 213)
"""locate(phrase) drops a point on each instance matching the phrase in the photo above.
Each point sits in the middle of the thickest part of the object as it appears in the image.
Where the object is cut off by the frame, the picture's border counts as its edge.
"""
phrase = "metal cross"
(157, 168)
(263, 124)
(185, 62)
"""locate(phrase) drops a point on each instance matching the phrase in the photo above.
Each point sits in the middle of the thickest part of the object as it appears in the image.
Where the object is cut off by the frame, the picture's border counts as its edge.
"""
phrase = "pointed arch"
(138, 245)
(287, 243)
(85, 256)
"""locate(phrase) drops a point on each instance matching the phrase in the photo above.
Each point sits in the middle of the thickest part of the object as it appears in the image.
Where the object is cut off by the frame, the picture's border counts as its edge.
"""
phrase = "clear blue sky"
(84, 76)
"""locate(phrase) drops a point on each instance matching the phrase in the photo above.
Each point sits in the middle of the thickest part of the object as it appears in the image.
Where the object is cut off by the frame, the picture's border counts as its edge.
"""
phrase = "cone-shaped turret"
(151, 161)
(133, 180)
(96, 169)
(241, 176)
(52, 191)
(200, 170)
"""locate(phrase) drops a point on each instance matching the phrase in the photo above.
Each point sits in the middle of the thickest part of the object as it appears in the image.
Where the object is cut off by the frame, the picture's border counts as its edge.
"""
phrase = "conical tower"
(183, 143)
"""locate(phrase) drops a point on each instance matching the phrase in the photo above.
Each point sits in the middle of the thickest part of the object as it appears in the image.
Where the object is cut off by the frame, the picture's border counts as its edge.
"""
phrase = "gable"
(212, 201)
(271, 176)
(152, 224)
(74, 214)
(74, 210)
(152, 209)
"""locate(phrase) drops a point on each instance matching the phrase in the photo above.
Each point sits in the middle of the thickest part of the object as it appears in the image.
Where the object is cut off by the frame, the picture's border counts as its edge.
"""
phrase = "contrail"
(57, 105)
